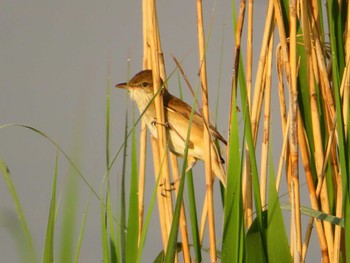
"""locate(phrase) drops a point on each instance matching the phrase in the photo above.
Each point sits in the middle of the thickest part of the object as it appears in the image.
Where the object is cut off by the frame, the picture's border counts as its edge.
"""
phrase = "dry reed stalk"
(283, 154)
(246, 178)
(247, 192)
(249, 68)
(313, 7)
(313, 197)
(258, 86)
(308, 233)
(285, 121)
(256, 110)
(330, 122)
(203, 219)
(294, 128)
(161, 164)
(143, 134)
(284, 66)
(284, 56)
(327, 96)
(266, 135)
(160, 197)
(207, 139)
(316, 127)
(347, 39)
(293, 231)
(345, 92)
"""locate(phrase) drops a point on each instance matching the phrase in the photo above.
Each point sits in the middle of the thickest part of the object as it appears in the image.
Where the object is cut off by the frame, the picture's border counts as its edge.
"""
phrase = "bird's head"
(141, 83)
(140, 88)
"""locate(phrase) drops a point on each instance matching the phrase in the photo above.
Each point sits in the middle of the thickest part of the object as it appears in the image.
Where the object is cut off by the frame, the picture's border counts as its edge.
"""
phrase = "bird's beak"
(123, 85)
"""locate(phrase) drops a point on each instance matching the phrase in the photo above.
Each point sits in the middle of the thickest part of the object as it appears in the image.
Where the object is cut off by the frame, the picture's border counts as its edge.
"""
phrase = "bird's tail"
(217, 166)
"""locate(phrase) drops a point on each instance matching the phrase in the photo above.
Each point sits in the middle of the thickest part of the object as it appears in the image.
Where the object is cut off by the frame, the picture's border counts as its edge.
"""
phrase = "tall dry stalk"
(161, 165)
(207, 137)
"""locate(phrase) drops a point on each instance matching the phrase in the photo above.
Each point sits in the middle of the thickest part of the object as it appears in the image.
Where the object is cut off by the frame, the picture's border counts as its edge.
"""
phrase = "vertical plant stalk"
(159, 152)
(292, 167)
(266, 135)
(183, 223)
(143, 133)
(285, 117)
(161, 204)
(283, 153)
(255, 111)
(294, 127)
(338, 229)
(207, 139)
(313, 198)
(346, 79)
(247, 175)
(316, 128)
(249, 51)
(260, 75)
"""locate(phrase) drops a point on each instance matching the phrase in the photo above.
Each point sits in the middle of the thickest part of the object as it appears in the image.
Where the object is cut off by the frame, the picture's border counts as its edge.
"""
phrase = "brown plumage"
(177, 115)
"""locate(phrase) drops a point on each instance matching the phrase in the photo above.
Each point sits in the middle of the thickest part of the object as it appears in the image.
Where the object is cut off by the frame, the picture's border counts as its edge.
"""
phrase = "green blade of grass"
(234, 242)
(28, 253)
(193, 217)
(69, 219)
(133, 223)
(337, 45)
(233, 246)
(50, 229)
(73, 165)
(147, 221)
(112, 229)
(172, 241)
(104, 233)
(255, 249)
(277, 241)
(82, 230)
(122, 226)
(316, 214)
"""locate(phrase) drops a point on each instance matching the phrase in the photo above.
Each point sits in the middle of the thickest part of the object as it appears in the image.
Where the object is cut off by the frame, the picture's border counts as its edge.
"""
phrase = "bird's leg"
(165, 190)
(154, 123)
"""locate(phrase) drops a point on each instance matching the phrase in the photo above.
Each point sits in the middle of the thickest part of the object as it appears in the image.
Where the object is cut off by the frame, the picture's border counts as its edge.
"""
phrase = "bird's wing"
(185, 110)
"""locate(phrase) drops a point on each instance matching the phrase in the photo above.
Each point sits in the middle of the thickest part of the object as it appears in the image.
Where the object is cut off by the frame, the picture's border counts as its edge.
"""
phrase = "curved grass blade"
(75, 168)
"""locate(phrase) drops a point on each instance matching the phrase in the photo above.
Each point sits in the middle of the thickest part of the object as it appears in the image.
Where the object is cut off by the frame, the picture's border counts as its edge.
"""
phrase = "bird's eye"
(144, 84)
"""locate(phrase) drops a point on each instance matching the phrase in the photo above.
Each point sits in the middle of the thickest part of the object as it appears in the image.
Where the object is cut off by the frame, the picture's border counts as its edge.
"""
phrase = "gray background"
(56, 58)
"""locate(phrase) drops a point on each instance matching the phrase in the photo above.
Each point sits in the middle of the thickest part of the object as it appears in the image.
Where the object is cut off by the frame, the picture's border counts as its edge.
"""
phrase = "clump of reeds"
(314, 123)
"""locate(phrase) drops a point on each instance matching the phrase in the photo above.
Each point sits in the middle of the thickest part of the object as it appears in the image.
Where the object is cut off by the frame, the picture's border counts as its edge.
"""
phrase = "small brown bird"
(177, 115)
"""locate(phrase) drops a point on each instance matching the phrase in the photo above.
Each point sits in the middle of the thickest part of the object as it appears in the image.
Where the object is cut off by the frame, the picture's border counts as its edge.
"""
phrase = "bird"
(177, 117)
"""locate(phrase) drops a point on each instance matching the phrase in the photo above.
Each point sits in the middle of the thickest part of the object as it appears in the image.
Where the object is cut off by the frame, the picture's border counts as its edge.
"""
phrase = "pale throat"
(142, 100)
